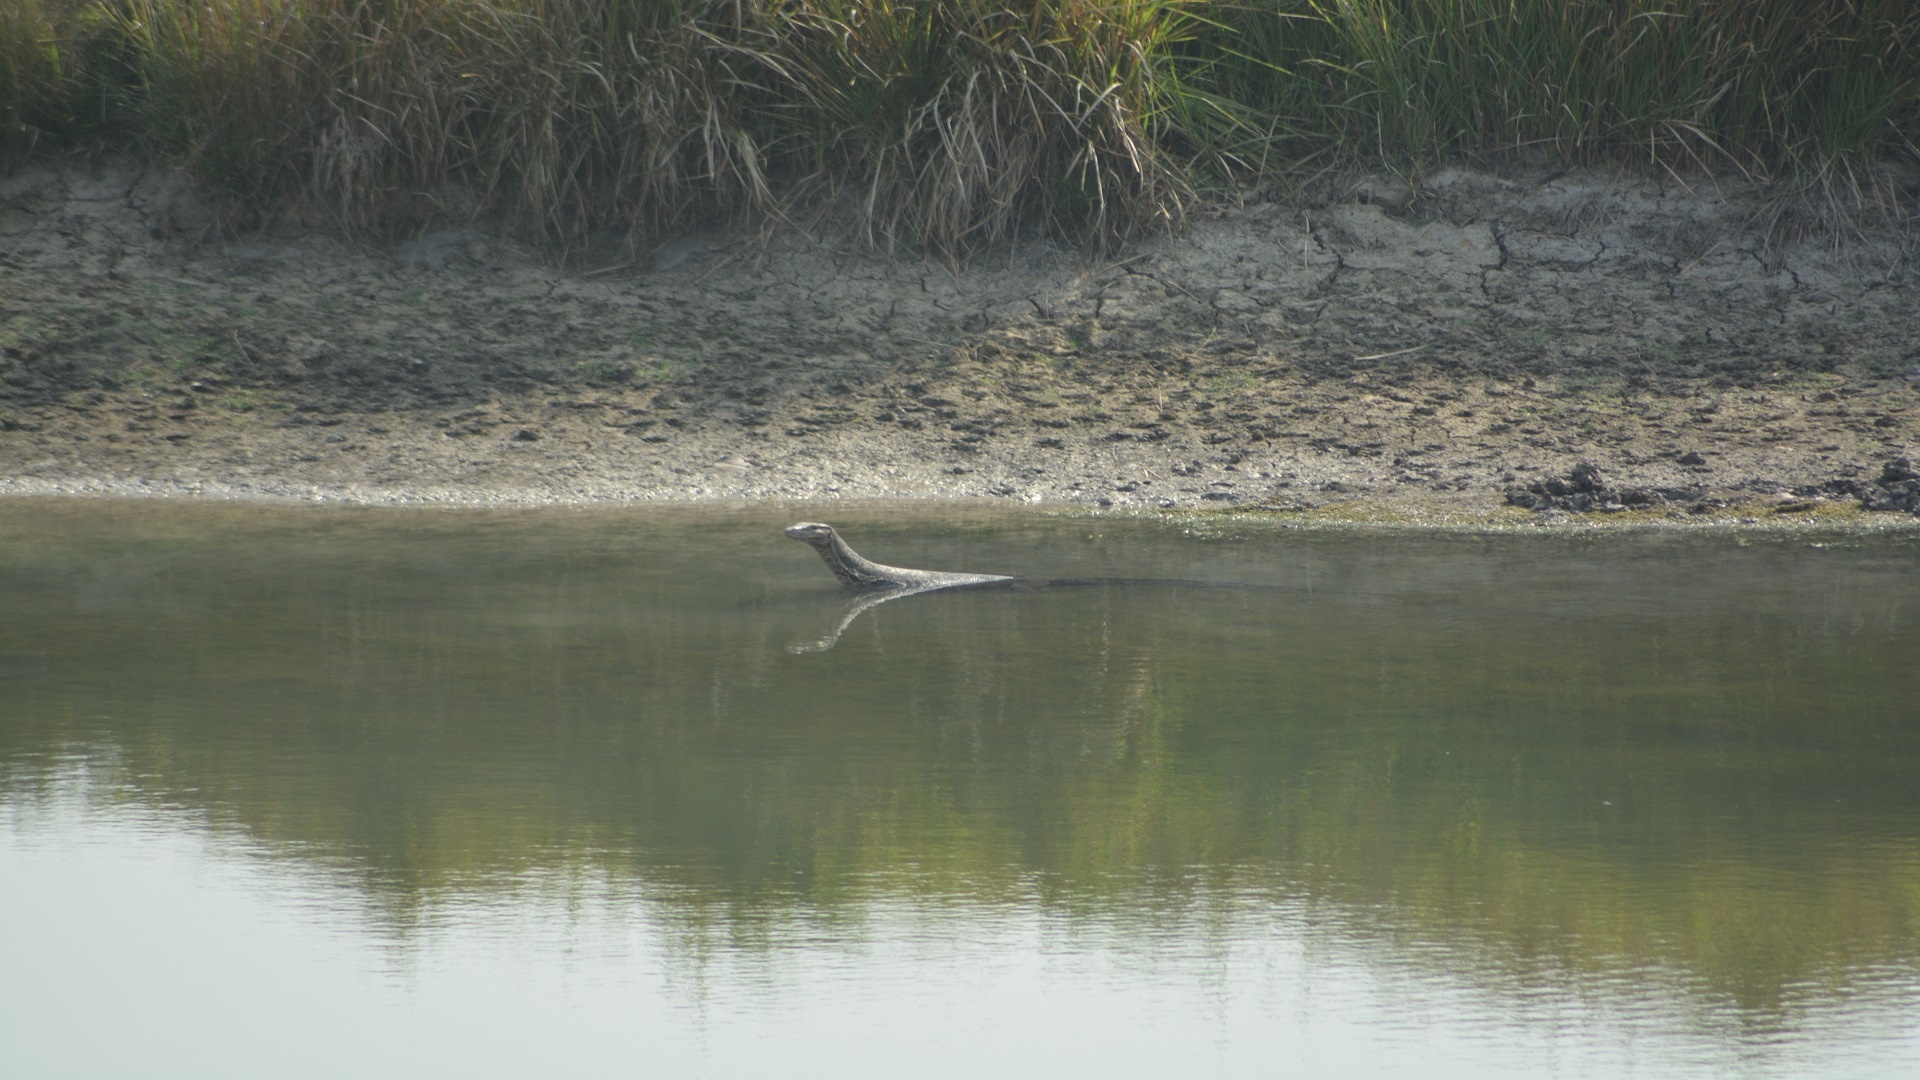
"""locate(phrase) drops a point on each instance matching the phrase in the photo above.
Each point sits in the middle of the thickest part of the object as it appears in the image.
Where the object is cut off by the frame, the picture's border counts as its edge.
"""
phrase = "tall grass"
(56, 63)
(1752, 84)
(959, 120)
(956, 122)
(953, 124)
(572, 112)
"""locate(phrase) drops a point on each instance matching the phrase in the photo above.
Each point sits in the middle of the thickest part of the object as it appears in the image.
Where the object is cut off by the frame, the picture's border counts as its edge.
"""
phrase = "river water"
(318, 792)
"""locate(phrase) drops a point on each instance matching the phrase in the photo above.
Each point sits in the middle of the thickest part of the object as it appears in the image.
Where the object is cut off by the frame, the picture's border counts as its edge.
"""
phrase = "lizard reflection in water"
(879, 583)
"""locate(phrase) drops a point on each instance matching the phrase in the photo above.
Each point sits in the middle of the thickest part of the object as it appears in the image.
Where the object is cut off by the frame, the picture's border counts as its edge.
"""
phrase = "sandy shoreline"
(1395, 353)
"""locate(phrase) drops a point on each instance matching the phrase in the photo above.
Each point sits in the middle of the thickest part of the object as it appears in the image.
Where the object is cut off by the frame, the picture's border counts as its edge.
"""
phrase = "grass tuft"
(957, 122)
(1747, 83)
(60, 73)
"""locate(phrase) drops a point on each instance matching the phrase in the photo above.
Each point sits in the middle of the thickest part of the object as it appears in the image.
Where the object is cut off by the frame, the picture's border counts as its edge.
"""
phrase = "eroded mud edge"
(1396, 355)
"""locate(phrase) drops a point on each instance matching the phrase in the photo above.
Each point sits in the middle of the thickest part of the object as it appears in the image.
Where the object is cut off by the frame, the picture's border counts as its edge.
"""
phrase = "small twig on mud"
(245, 353)
(605, 270)
(1384, 355)
(1701, 258)
(719, 266)
(927, 341)
(1120, 264)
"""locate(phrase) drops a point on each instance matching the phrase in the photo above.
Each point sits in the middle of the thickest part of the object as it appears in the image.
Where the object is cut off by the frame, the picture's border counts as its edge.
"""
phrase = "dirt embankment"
(1460, 348)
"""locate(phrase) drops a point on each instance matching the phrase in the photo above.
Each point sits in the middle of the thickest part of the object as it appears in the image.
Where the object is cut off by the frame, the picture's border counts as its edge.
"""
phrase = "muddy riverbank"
(1460, 348)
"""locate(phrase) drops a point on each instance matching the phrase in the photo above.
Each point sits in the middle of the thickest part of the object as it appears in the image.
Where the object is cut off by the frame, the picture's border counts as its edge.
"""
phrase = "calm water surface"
(304, 792)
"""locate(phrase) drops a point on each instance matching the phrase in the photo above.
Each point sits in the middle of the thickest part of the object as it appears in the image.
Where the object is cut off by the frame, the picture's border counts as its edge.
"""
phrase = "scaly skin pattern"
(861, 573)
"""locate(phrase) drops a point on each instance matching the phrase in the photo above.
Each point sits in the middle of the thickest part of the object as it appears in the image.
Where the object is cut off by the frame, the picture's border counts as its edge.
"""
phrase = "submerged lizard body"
(862, 573)
(879, 584)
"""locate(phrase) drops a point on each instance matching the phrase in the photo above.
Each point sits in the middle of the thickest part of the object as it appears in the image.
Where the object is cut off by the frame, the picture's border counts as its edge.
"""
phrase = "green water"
(304, 792)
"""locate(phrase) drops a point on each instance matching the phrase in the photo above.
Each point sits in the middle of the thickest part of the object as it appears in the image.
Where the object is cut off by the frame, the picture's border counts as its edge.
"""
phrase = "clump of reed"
(574, 113)
(952, 124)
(54, 56)
(1751, 84)
(958, 121)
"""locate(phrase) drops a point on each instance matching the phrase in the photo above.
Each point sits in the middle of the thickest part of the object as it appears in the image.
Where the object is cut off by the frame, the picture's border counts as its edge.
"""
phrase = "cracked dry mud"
(1417, 351)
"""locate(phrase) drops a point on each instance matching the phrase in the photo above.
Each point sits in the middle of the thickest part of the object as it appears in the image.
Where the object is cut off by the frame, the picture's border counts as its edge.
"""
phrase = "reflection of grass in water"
(1537, 788)
(1764, 516)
